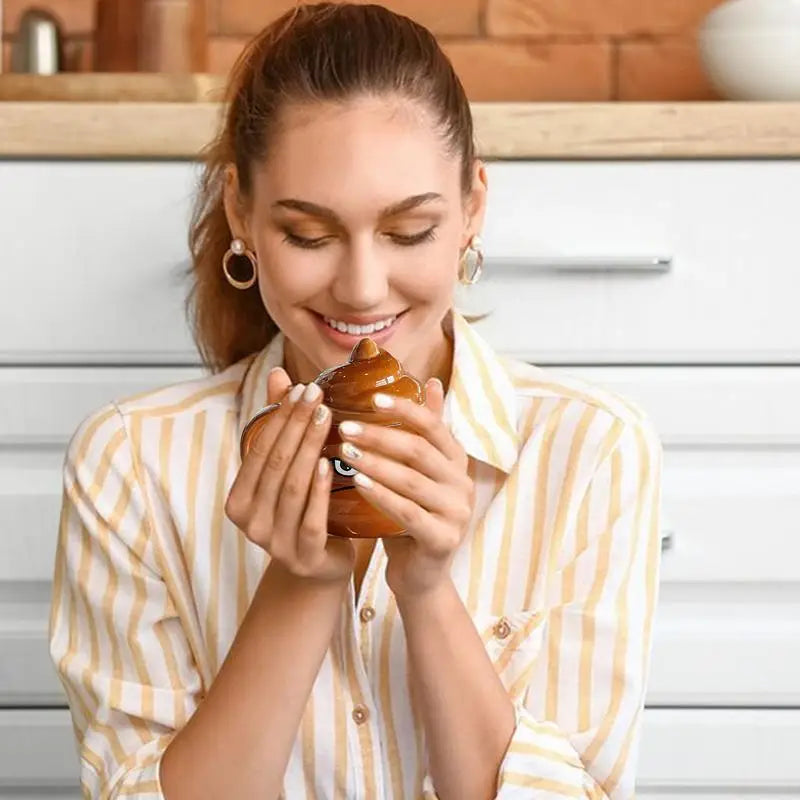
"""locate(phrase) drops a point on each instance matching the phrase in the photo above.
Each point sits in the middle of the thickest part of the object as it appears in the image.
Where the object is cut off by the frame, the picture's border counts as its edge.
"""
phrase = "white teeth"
(359, 330)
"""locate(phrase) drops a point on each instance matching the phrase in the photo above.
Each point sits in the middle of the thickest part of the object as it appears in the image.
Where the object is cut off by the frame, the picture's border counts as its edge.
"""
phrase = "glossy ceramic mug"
(347, 391)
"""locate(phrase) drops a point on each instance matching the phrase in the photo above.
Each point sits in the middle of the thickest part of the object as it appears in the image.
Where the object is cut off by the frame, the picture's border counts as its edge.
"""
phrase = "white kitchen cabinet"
(680, 749)
(577, 280)
(730, 295)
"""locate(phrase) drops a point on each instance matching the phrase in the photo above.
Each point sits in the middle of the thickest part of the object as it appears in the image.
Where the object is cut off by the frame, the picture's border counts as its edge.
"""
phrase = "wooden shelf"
(162, 116)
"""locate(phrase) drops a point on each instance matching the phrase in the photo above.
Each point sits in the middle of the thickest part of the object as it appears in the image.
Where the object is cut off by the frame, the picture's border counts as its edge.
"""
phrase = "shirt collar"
(480, 407)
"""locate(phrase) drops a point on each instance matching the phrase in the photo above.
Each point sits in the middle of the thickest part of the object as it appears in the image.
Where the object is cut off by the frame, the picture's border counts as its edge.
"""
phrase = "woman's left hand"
(418, 477)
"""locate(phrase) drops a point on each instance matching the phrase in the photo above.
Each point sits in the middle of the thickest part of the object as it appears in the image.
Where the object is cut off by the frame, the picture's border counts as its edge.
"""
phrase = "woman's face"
(358, 220)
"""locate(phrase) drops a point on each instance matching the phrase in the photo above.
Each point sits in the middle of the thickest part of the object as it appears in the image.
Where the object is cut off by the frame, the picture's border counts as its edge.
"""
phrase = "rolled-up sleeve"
(115, 637)
(578, 723)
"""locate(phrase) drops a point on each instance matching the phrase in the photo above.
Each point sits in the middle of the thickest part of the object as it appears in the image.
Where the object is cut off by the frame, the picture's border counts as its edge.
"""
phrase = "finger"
(246, 481)
(293, 496)
(278, 383)
(312, 533)
(420, 419)
(437, 498)
(283, 450)
(419, 523)
(401, 446)
(434, 396)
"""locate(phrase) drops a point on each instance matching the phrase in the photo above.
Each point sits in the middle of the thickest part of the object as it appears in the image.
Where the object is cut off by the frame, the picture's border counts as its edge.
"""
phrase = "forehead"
(377, 149)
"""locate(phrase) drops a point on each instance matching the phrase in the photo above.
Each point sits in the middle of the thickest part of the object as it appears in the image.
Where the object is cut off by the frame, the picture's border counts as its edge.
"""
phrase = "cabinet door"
(575, 268)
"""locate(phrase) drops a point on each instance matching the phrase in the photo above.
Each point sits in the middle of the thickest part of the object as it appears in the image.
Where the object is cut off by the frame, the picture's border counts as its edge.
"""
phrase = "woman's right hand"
(280, 496)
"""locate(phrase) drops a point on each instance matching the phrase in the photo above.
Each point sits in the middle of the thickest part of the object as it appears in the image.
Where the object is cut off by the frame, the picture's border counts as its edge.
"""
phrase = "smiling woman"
(212, 638)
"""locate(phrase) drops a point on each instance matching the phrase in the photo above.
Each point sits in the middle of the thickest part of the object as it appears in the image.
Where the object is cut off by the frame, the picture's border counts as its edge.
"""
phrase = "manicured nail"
(320, 415)
(383, 401)
(297, 390)
(311, 393)
(323, 466)
(350, 428)
(362, 480)
(351, 452)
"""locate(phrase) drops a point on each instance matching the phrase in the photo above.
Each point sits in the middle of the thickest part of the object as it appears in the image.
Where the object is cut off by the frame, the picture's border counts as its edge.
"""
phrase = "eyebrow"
(326, 213)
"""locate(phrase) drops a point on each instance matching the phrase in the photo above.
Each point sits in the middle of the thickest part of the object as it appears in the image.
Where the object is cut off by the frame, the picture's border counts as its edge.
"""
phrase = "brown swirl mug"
(347, 391)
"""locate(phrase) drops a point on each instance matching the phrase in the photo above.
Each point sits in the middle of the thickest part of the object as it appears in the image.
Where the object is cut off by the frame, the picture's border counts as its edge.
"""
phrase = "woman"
(212, 639)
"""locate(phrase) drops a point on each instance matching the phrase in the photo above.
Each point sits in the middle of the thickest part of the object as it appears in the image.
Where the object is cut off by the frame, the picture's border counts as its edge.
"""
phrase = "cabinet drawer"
(731, 481)
(43, 405)
(38, 752)
(723, 749)
(112, 292)
(707, 750)
(39, 410)
(727, 629)
(108, 282)
(728, 227)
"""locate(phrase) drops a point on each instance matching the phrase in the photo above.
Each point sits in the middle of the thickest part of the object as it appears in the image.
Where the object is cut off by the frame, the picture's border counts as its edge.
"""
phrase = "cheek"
(287, 277)
(431, 272)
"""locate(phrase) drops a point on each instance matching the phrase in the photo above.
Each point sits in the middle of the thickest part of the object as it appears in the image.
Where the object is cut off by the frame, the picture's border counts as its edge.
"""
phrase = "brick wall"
(502, 49)
(532, 49)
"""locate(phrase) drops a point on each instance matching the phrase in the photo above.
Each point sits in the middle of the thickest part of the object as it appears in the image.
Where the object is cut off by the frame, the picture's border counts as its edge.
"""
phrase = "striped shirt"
(558, 570)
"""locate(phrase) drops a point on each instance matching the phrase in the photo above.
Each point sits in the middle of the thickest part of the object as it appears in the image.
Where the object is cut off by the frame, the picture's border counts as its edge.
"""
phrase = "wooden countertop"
(179, 116)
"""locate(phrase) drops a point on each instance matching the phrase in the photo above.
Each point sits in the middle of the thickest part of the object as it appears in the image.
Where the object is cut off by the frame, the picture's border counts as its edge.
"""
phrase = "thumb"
(434, 396)
(278, 383)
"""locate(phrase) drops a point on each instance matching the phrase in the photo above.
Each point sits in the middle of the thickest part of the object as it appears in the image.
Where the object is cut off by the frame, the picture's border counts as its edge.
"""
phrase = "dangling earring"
(471, 262)
(238, 248)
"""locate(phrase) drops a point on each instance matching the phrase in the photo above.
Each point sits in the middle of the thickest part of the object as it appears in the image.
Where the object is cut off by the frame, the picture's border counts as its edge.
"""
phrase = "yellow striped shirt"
(559, 571)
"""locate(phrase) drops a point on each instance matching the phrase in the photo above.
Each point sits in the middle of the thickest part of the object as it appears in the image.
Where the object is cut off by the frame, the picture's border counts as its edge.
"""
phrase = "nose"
(361, 281)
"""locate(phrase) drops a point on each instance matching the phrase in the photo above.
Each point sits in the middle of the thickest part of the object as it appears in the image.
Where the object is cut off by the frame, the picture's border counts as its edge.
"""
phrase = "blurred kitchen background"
(642, 234)
(504, 50)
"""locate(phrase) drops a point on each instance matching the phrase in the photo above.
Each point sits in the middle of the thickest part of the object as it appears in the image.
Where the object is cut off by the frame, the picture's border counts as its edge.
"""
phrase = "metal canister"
(37, 48)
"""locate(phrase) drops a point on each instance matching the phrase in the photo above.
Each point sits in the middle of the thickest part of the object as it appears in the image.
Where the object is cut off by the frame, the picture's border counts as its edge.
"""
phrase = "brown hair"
(323, 51)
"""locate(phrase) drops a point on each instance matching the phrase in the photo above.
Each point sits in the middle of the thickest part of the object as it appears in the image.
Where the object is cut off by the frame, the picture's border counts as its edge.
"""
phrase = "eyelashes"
(403, 241)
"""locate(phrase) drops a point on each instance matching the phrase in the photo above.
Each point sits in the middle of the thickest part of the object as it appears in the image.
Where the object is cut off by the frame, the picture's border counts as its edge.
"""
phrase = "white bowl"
(750, 49)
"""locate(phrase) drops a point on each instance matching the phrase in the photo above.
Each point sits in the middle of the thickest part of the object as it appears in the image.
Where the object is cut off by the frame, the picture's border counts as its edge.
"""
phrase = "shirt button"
(367, 613)
(360, 715)
(502, 629)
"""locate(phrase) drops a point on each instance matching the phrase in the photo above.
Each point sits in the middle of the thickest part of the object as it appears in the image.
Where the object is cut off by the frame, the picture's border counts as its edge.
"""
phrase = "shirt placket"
(363, 620)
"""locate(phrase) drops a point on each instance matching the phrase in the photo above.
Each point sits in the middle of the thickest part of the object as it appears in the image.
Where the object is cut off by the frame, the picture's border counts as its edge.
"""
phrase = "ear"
(475, 204)
(234, 206)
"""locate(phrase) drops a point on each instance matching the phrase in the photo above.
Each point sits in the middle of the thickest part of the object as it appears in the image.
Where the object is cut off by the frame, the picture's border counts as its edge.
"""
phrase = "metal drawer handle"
(667, 540)
(642, 265)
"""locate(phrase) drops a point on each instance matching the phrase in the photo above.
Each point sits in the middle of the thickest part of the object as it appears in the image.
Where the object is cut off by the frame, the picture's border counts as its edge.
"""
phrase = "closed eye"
(400, 239)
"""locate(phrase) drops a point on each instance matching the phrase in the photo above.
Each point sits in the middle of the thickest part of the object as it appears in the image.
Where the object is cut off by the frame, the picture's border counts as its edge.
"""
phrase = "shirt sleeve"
(578, 724)
(115, 638)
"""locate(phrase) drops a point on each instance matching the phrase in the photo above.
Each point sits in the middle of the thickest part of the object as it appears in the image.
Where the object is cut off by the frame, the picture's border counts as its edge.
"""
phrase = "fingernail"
(362, 480)
(351, 452)
(320, 415)
(350, 428)
(297, 390)
(323, 466)
(311, 393)
(383, 401)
